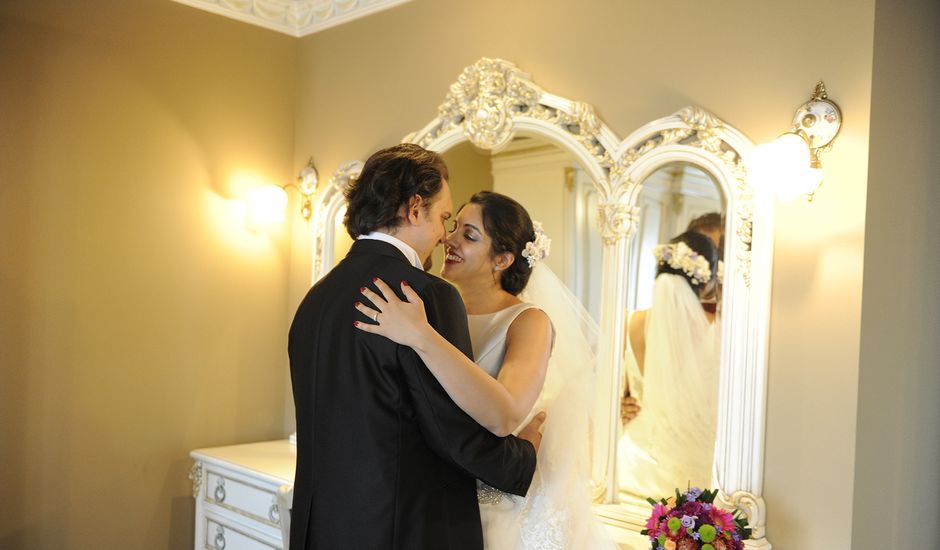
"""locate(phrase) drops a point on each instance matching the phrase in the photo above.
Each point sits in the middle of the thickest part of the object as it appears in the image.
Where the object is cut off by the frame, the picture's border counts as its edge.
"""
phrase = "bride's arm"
(499, 405)
(636, 330)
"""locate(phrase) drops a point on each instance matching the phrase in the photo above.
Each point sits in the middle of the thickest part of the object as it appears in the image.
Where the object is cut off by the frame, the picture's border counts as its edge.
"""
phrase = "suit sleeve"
(506, 463)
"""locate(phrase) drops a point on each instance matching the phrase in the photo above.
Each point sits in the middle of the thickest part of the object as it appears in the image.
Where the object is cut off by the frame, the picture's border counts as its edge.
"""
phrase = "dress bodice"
(488, 335)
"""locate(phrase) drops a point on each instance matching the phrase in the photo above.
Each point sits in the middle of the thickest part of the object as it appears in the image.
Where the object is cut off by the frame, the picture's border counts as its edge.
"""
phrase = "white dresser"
(236, 491)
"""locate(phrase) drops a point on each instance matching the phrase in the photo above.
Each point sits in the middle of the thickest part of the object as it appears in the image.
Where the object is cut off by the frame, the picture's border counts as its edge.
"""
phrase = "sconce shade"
(783, 166)
(266, 206)
(790, 165)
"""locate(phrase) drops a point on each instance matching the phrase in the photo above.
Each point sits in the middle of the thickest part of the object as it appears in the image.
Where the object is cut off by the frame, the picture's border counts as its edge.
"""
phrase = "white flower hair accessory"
(539, 248)
(680, 256)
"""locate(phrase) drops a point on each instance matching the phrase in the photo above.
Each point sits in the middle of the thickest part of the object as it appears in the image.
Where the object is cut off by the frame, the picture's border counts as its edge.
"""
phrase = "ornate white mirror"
(496, 129)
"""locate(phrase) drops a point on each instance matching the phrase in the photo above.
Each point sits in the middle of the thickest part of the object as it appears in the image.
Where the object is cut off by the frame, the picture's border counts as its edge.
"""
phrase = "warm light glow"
(783, 166)
(266, 206)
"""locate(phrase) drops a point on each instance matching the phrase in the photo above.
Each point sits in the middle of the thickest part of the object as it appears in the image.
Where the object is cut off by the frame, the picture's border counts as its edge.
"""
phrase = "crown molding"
(294, 17)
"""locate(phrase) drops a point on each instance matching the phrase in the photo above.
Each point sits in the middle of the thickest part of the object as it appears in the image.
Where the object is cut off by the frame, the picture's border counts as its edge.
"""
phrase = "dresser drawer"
(250, 500)
(223, 535)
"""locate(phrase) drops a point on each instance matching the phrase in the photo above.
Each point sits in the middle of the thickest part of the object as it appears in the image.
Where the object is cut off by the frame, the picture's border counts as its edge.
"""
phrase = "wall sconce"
(307, 185)
(790, 165)
(266, 204)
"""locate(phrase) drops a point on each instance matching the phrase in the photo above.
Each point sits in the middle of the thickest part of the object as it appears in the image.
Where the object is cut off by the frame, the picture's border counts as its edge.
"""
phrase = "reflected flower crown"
(680, 256)
(539, 248)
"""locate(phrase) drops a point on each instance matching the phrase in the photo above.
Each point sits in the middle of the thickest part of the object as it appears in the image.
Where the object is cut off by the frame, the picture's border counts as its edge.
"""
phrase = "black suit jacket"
(385, 459)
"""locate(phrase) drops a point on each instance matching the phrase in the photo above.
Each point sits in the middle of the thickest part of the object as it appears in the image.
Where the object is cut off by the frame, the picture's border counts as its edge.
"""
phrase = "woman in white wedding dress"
(492, 257)
(672, 364)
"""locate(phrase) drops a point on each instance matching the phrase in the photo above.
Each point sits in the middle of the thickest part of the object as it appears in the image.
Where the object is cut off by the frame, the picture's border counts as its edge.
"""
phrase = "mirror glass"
(554, 188)
(673, 335)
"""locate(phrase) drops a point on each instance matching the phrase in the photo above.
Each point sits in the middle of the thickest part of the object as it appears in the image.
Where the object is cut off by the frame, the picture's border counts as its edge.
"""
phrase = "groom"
(385, 459)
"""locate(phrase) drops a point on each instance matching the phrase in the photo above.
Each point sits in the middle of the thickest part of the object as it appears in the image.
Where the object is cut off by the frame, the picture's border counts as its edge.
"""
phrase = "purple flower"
(693, 494)
(688, 521)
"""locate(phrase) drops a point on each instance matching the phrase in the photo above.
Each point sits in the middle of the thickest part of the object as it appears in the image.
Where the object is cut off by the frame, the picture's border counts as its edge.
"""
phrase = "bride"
(493, 257)
(672, 363)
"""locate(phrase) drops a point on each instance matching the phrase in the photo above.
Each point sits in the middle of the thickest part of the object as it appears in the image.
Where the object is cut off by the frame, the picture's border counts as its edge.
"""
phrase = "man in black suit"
(385, 459)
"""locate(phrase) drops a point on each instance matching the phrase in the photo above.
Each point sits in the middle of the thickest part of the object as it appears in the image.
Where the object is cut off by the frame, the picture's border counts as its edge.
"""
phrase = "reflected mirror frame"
(506, 101)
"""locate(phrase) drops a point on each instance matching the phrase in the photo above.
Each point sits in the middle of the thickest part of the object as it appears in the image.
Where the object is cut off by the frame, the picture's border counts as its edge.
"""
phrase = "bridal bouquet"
(691, 522)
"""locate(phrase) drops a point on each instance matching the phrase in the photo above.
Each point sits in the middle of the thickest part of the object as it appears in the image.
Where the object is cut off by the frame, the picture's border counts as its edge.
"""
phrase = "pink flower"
(723, 519)
(658, 511)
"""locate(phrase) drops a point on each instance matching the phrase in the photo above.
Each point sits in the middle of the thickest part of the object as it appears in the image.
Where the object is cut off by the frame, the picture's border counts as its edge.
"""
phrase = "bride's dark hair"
(703, 246)
(510, 228)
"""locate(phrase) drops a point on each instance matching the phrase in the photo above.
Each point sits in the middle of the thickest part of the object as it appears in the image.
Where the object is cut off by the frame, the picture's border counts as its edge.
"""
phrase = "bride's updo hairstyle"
(510, 228)
(704, 247)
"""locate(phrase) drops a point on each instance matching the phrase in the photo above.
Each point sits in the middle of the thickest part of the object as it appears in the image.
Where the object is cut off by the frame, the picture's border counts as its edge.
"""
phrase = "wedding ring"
(375, 318)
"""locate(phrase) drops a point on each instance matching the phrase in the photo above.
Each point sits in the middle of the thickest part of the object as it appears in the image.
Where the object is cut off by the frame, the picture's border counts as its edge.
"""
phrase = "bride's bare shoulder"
(532, 323)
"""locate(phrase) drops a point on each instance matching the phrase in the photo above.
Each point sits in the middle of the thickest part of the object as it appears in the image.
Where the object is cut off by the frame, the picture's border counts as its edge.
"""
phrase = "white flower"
(539, 248)
(681, 256)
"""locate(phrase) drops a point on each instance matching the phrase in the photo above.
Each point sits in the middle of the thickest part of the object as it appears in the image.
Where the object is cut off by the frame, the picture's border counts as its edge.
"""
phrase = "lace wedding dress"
(556, 513)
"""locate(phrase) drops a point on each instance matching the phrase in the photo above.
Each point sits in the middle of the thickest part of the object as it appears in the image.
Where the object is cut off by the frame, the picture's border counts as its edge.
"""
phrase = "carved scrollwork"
(195, 475)
(696, 127)
(617, 221)
(754, 508)
(699, 119)
(492, 95)
(484, 99)
(345, 175)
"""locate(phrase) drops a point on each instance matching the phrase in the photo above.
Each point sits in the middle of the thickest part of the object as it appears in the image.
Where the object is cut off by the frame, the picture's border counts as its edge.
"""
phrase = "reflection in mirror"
(673, 340)
(555, 190)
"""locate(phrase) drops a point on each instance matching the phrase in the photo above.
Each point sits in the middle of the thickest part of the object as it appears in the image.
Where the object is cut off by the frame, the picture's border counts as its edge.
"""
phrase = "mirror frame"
(491, 101)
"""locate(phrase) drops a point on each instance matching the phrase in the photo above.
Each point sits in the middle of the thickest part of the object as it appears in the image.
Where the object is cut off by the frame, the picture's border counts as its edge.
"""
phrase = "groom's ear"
(413, 210)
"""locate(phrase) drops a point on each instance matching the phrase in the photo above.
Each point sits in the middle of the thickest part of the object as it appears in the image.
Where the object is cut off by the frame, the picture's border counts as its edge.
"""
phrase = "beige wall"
(897, 476)
(139, 319)
(368, 83)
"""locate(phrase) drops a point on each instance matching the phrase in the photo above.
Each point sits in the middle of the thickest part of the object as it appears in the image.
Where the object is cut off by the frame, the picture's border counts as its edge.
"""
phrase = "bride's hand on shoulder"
(403, 322)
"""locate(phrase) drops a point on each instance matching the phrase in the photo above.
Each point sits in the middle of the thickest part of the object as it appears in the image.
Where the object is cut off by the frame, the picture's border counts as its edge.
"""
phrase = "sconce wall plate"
(818, 121)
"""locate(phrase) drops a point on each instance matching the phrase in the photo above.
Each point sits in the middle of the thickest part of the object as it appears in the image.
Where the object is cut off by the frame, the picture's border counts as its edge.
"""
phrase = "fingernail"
(356, 323)
(362, 289)
(358, 304)
(405, 283)
(375, 280)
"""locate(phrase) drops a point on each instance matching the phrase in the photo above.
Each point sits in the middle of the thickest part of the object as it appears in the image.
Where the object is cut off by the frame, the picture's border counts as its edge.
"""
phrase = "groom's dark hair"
(509, 226)
(387, 182)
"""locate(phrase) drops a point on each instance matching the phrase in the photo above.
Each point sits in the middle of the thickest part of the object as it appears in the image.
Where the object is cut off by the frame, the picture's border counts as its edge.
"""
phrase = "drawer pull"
(220, 491)
(274, 514)
(220, 538)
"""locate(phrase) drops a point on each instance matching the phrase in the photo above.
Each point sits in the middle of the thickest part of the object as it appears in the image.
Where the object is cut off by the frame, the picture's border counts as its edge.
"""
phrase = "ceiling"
(294, 17)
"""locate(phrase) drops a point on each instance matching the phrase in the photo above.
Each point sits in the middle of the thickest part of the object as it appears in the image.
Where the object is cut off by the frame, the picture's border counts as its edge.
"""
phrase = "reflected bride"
(672, 367)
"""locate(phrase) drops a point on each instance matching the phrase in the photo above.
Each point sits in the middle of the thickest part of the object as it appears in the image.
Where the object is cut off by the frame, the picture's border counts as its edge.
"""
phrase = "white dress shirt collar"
(406, 249)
